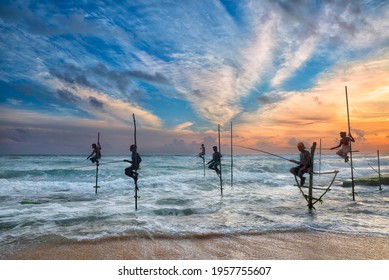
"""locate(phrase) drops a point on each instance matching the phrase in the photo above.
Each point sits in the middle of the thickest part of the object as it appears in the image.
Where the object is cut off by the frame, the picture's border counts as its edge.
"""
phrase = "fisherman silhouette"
(202, 153)
(344, 143)
(96, 153)
(304, 164)
(215, 161)
(135, 161)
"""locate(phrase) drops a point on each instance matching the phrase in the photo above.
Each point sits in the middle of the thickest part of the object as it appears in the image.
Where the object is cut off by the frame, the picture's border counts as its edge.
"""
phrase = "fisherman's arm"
(90, 154)
(340, 144)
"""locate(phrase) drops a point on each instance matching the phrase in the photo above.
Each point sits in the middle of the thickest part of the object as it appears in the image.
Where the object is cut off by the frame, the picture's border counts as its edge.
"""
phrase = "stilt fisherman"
(135, 161)
(304, 165)
(344, 143)
(215, 161)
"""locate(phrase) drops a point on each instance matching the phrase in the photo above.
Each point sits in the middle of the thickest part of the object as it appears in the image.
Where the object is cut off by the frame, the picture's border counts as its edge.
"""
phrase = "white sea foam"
(54, 195)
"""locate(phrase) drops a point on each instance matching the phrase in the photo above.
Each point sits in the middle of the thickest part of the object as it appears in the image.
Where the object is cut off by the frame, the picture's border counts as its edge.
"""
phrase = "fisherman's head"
(214, 148)
(133, 148)
(342, 134)
(94, 145)
(301, 146)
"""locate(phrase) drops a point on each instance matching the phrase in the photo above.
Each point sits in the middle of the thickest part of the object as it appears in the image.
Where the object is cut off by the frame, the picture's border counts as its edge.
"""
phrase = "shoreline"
(286, 245)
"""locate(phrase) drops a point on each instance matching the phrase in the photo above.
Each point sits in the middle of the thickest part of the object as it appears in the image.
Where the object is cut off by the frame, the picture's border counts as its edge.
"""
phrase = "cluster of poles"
(96, 186)
(309, 197)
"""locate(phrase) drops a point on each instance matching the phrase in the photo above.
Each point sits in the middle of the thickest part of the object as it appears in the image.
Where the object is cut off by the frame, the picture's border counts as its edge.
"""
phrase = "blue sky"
(70, 69)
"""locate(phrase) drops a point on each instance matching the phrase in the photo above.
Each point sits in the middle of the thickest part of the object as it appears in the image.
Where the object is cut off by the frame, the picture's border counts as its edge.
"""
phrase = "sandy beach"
(269, 245)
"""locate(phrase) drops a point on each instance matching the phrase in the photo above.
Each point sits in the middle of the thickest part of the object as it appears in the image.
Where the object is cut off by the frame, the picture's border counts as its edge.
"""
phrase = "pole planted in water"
(351, 152)
(136, 164)
(220, 175)
(97, 165)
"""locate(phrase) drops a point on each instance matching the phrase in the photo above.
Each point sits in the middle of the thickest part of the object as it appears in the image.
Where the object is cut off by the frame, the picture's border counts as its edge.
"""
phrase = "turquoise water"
(53, 196)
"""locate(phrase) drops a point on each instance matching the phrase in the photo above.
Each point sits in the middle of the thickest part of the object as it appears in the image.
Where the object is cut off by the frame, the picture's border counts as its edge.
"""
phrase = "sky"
(276, 70)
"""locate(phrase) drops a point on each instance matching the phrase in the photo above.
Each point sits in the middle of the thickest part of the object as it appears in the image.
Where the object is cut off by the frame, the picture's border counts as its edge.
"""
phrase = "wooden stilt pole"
(320, 158)
(310, 193)
(232, 160)
(97, 175)
(379, 170)
(204, 165)
(136, 164)
(220, 175)
(97, 166)
(351, 152)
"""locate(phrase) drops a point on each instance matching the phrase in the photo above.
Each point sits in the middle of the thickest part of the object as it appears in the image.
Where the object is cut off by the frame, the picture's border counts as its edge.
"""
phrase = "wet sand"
(253, 246)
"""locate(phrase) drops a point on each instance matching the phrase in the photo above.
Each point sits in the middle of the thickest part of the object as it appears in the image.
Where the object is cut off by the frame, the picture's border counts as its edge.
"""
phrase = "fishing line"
(116, 161)
(372, 168)
(262, 152)
(79, 166)
(89, 165)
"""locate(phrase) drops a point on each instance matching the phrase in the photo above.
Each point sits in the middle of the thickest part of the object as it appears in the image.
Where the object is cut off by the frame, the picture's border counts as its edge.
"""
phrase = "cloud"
(96, 103)
(270, 98)
(115, 110)
(293, 60)
(360, 134)
(99, 77)
(183, 126)
(276, 68)
(320, 112)
(17, 135)
(67, 95)
(49, 22)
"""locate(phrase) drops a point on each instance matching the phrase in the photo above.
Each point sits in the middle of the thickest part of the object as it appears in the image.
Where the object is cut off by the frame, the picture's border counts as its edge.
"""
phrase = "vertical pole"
(320, 157)
(232, 160)
(310, 193)
(135, 180)
(97, 175)
(351, 152)
(97, 165)
(221, 181)
(204, 165)
(379, 169)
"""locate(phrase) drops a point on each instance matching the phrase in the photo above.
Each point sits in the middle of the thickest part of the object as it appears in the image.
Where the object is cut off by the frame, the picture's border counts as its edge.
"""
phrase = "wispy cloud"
(320, 112)
(269, 62)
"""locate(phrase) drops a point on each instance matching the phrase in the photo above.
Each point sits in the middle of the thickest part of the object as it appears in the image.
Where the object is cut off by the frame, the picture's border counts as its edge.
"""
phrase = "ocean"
(53, 197)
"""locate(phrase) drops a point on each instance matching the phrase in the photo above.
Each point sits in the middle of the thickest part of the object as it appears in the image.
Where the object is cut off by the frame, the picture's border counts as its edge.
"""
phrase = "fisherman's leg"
(294, 170)
(301, 175)
(128, 171)
(135, 174)
(341, 154)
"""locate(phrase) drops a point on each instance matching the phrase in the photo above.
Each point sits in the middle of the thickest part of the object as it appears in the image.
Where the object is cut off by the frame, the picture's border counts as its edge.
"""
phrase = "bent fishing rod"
(262, 152)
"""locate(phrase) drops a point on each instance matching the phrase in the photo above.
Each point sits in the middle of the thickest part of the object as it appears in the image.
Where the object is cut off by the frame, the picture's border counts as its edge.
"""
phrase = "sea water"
(54, 196)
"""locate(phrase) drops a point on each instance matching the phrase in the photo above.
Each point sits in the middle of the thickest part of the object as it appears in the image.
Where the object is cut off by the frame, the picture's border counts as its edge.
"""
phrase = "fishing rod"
(372, 168)
(116, 161)
(262, 152)
(78, 166)
(88, 165)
